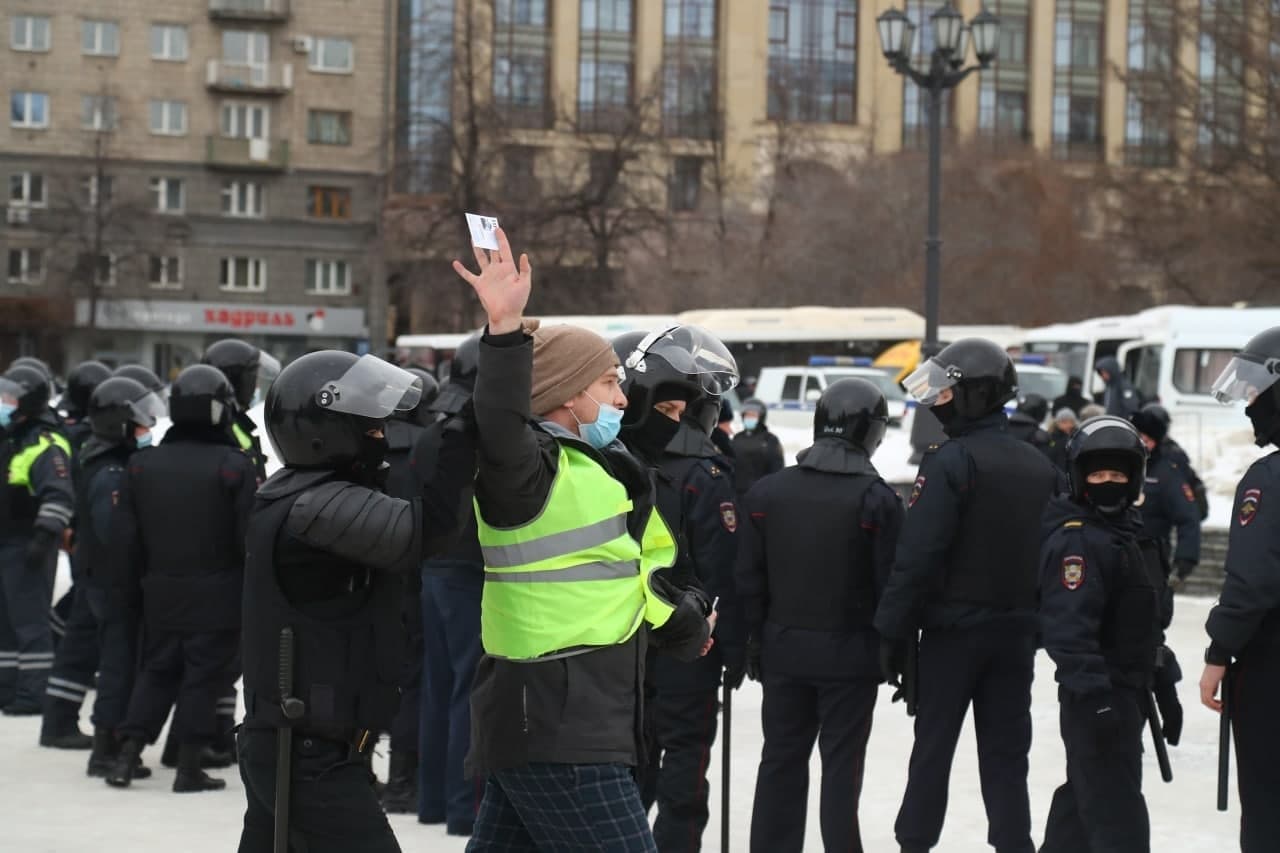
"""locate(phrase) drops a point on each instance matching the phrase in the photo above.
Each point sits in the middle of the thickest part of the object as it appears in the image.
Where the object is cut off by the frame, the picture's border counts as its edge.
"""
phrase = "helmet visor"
(1244, 379)
(268, 370)
(371, 388)
(148, 410)
(10, 392)
(928, 381)
(693, 351)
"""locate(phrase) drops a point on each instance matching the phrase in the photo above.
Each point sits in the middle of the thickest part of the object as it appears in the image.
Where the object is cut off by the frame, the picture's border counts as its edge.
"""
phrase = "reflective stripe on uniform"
(35, 660)
(20, 463)
(585, 572)
(8, 660)
(556, 544)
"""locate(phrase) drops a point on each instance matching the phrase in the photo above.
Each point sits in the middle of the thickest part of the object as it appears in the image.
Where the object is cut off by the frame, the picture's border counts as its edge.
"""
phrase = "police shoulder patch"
(916, 489)
(1188, 494)
(1249, 506)
(729, 516)
(1072, 572)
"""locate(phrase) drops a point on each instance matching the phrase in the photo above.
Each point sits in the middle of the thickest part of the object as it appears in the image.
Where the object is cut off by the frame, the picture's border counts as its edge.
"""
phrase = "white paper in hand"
(483, 231)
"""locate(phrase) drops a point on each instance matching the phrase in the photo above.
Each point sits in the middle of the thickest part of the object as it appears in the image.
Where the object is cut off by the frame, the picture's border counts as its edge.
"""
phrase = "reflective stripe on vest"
(573, 578)
(242, 438)
(20, 464)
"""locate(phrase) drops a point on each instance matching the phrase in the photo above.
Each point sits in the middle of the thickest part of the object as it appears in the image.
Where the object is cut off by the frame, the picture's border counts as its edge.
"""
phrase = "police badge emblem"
(1072, 572)
(1249, 506)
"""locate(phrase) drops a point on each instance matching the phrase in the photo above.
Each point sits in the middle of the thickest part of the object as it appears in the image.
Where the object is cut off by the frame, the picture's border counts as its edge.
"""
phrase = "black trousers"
(333, 807)
(1100, 808)
(405, 726)
(682, 729)
(991, 668)
(796, 712)
(75, 660)
(193, 670)
(1255, 713)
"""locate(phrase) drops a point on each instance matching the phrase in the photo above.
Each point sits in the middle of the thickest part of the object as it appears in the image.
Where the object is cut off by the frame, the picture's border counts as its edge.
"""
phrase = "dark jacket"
(1073, 399)
(105, 544)
(1099, 604)
(189, 503)
(1245, 622)
(1175, 454)
(1023, 427)
(443, 462)
(1056, 450)
(757, 453)
(46, 500)
(1120, 397)
(581, 709)
(1169, 503)
(816, 550)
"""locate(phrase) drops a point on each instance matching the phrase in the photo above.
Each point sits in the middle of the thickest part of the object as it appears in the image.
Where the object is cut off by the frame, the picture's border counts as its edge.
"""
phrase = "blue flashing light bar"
(840, 361)
(1033, 359)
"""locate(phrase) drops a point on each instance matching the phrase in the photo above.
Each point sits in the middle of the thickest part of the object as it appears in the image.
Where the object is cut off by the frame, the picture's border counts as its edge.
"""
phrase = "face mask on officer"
(945, 408)
(142, 437)
(7, 410)
(750, 421)
(1107, 490)
(370, 467)
(661, 426)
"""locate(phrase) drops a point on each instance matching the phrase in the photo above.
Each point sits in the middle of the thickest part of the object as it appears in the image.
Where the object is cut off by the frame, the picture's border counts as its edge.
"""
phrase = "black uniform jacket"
(582, 709)
(815, 553)
(1246, 620)
(756, 453)
(47, 500)
(1169, 503)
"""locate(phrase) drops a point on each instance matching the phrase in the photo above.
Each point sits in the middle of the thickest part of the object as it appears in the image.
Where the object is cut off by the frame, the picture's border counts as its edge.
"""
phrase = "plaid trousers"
(562, 808)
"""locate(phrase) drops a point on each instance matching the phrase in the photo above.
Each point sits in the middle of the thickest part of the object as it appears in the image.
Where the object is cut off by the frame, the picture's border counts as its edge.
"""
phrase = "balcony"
(271, 78)
(241, 155)
(249, 10)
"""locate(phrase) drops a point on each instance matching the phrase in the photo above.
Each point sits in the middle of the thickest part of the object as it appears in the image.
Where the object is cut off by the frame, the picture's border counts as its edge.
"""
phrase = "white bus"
(1074, 348)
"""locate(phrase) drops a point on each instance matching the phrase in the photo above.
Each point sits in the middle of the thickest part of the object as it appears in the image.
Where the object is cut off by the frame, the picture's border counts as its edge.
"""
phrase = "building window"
(332, 56)
(97, 188)
(26, 266)
(169, 194)
(245, 121)
(29, 110)
(100, 38)
(329, 202)
(102, 267)
(244, 198)
(26, 189)
(1003, 87)
(519, 172)
(1224, 33)
(1148, 132)
(29, 32)
(168, 118)
(915, 101)
(247, 49)
(689, 68)
(169, 42)
(685, 187)
(98, 112)
(329, 278)
(328, 127)
(521, 62)
(1077, 80)
(813, 60)
(166, 272)
(606, 54)
(248, 275)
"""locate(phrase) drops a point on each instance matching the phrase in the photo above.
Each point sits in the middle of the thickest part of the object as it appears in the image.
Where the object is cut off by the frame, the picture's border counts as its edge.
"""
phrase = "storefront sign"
(172, 316)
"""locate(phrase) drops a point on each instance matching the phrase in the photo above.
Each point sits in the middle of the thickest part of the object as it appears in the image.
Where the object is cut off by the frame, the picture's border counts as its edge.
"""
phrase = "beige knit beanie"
(566, 360)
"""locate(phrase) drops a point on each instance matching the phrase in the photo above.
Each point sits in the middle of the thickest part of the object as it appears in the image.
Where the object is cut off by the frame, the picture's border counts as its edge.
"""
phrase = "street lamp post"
(946, 70)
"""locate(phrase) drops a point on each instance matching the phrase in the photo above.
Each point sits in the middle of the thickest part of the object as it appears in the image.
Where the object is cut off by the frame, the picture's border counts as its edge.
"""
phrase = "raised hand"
(502, 285)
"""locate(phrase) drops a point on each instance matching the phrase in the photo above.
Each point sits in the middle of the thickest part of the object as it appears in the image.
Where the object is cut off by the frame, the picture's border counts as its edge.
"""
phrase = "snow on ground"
(48, 805)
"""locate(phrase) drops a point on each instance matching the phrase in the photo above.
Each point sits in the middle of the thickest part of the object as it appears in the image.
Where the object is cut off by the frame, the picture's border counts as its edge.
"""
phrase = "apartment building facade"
(180, 172)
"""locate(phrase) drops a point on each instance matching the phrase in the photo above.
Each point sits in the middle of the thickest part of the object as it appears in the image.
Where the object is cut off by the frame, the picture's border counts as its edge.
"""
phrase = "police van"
(799, 388)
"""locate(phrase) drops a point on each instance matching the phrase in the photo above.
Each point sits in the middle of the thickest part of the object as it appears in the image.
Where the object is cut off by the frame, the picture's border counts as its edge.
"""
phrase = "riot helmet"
(853, 410)
(979, 373)
(119, 405)
(201, 396)
(1152, 420)
(81, 381)
(422, 414)
(144, 376)
(1034, 406)
(249, 370)
(1106, 443)
(30, 390)
(673, 363)
(38, 364)
(321, 407)
(705, 413)
(461, 382)
(1250, 377)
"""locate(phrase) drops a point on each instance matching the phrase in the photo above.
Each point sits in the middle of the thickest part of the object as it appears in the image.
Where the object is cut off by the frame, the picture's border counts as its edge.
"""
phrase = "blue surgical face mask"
(6, 414)
(750, 423)
(143, 440)
(604, 429)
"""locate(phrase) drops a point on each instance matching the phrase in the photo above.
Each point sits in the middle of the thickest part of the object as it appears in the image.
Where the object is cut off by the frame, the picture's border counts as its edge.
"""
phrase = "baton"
(725, 757)
(292, 708)
(1224, 741)
(911, 678)
(1157, 736)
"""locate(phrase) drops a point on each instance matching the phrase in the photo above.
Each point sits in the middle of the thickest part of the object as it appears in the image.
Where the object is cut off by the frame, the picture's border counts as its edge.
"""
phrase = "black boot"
(401, 794)
(169, 755)
(190, 776)
(60, 728)
(210, 757)
(121, 774)
(106, 750)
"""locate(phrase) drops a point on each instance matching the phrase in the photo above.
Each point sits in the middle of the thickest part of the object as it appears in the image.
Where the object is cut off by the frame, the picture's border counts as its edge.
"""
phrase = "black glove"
(893, 663)
(40, 548)
(735, 672)
(1168, 674)
(752, 663)
(1105, 717)
(1181, 569)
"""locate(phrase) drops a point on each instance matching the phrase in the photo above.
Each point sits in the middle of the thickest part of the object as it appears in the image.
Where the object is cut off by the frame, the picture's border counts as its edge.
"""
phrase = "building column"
(648, 60)
(964, 110)
(743, 45)
(880, 86)
(1187, 65)
(565, 16)
(1115, 31)
(1040, 54)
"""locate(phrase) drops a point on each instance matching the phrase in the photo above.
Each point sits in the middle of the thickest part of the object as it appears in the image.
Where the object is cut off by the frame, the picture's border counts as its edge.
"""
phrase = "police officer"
(816, 550)
(250, 371)
(403, 431)
(965, 572)
(1169, 501)
(1025, 424)
(1244, 627)
(668, 372)
(444, 459)
(35, 510)
(1173, 451)
(1100, 622)
(757, 452)
(47, 372)
(81, 381)
(324, 578)
(191, 575)
(121, 412)
(1119, 397)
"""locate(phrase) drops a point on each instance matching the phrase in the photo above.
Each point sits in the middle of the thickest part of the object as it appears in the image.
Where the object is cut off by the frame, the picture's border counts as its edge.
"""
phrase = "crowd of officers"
(539, 578)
